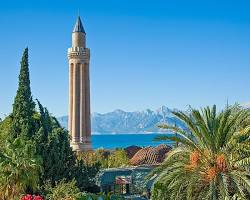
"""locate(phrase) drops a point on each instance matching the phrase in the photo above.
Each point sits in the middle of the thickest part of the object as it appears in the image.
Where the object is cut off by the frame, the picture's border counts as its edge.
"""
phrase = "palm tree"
(213, 160)
(19, 168)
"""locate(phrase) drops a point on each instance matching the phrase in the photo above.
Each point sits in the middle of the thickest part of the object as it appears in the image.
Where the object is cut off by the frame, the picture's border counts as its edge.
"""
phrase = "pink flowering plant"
(31, 197)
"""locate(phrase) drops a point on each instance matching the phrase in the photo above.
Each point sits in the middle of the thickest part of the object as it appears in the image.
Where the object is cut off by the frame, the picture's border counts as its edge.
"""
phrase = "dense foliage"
(35, 149)
(19, 168)
(4, 130)
(85, 176)
(101, 196)
(53, 145)
(213, 160)
(63, 190)
(106, 158)
(69, 191)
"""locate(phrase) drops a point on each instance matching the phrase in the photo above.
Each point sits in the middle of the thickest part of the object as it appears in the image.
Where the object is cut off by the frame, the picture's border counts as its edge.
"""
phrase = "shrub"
(63, 190)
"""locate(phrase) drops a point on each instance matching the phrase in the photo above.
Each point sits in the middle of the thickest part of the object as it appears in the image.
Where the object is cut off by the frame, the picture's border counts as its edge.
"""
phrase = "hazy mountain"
(120, 121)
(246, 105)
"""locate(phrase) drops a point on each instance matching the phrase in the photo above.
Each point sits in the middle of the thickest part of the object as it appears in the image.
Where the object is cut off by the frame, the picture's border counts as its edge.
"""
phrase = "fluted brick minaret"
(79, 90)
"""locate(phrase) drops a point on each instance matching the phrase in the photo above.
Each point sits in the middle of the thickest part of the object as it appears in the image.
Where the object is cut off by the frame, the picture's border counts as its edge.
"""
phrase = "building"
(79, 90)
(128, 182)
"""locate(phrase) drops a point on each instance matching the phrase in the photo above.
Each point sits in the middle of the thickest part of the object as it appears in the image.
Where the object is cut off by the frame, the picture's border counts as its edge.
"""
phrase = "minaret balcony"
(78, 53)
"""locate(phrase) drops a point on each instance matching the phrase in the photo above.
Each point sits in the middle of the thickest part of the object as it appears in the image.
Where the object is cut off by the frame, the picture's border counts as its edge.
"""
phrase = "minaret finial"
(78, 26)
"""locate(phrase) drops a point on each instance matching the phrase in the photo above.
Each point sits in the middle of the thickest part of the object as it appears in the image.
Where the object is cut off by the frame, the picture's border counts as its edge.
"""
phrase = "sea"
(112, 141)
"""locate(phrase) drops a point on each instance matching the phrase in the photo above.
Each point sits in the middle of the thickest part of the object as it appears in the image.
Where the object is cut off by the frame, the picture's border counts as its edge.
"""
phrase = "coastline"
(137, 133)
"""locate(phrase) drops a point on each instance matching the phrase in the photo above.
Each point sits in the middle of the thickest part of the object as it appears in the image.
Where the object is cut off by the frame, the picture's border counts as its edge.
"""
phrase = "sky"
(144, 54)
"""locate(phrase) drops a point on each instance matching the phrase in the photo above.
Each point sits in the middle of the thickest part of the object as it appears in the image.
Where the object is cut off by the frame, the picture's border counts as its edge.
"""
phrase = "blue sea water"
(112, 141)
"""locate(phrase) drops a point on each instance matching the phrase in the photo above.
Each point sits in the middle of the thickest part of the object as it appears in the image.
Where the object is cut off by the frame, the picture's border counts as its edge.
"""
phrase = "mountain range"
(120, 121)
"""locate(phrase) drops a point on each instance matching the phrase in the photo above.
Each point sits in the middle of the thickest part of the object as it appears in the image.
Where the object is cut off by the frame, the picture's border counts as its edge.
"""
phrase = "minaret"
(79, 90)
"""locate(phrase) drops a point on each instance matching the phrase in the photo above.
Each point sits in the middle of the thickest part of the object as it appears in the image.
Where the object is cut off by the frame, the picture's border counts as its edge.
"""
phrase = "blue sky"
(144, 54)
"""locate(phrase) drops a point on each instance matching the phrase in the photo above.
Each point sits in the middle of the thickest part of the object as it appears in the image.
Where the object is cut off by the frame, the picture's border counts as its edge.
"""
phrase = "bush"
(100, 197)
(63, 190)
(19, 168)
(106, 158)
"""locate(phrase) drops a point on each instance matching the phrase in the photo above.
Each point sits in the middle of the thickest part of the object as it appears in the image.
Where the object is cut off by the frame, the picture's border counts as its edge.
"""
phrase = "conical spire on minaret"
(78, 26)
(78, 34)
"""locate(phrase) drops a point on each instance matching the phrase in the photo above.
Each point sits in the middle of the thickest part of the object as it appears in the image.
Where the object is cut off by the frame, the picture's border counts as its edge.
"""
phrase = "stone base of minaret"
(81, 146)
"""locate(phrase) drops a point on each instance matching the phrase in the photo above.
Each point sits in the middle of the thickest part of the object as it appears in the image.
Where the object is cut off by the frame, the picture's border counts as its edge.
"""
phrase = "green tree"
(118, 158)
(19, 168)
(85, 176)
(52, 143)
(24, 106)
(213, 159)
(61, 160)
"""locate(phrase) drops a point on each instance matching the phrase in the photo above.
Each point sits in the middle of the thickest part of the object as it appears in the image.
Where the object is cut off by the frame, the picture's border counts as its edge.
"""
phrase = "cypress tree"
(24, 106)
